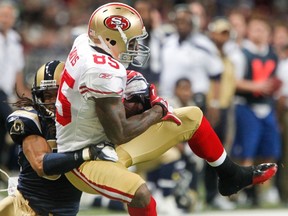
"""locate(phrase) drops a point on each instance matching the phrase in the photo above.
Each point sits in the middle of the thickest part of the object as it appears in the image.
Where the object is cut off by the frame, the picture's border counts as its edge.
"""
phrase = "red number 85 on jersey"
(66, 117)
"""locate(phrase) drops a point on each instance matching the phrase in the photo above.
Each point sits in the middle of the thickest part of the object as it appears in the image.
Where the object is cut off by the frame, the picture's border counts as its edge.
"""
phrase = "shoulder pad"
(22, 123)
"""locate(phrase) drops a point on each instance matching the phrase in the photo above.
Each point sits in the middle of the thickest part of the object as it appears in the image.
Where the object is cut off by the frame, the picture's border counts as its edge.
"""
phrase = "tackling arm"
(50, 165)
(34, 148)
(44, 162)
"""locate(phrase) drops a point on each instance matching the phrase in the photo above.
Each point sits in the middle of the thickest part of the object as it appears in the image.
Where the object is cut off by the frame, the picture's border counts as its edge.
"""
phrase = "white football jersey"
(87, 74)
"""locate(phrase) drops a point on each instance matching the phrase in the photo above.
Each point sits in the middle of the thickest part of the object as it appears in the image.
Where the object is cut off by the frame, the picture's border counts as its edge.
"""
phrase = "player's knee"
(141, 198)
(194, 113)
(189, 115)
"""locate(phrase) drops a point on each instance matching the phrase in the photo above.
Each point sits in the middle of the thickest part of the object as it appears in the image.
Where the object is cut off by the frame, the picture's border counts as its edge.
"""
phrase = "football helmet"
(47, 78)
(118, 29)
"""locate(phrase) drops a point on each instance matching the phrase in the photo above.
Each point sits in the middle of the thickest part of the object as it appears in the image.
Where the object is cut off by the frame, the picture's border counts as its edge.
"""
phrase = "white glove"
(136, 85)
(102, 151)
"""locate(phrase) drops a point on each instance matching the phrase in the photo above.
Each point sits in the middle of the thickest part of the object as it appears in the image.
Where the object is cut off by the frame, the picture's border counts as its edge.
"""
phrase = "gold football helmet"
(118, 29)
(47, 78)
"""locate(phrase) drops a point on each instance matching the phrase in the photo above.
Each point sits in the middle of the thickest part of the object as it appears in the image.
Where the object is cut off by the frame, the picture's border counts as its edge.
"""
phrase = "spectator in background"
(174, 175)
(238, 23)
(156, 34)
(237, 40)
(280, 39)
(46, 32)
(219, 32)
(282, 109)
(11, 72)
(183, 95)
(186, 191)
(257, 134)
(167, 175)
(200, 19)
(280, 44)
(190, 55)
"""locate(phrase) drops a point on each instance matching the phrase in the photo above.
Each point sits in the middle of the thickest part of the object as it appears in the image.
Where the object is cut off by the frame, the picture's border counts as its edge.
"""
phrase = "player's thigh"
(110, 179)
(160, 137)
(7, 206)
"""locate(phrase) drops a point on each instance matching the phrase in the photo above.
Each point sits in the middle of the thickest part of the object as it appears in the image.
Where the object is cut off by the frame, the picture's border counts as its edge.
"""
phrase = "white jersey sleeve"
(99, 84)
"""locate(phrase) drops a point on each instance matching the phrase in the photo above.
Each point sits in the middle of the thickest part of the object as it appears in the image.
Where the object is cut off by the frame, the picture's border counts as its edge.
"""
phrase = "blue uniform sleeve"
(23, 123)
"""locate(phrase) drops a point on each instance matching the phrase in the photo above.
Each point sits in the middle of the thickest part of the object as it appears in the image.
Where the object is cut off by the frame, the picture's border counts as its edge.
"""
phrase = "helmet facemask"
(45, 87)
(137, 54)
(134, 53)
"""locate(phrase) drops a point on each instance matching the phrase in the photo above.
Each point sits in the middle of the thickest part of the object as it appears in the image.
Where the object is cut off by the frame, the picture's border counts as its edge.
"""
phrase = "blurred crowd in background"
(47, 29)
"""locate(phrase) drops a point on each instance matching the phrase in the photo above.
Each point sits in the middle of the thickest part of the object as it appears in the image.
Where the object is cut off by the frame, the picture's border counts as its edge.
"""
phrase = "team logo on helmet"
(113, 22)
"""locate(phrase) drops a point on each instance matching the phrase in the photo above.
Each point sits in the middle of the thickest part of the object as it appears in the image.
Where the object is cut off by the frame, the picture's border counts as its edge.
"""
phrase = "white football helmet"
(118, 29)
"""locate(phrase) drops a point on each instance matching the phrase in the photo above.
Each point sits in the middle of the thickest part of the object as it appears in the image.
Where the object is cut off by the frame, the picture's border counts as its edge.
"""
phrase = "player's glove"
(167, 109)
(101, 151)
(137, 89)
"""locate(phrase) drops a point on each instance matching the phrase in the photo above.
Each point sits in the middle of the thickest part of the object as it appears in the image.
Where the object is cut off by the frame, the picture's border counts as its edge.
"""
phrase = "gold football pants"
(114, 180)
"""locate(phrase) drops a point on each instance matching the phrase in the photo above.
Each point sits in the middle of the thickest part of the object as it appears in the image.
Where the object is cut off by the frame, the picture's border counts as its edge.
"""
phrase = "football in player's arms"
(132, 108)
(136, 95)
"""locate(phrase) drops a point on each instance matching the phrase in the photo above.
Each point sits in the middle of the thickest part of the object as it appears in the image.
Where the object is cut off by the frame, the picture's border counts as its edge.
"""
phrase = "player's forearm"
(140, 123)
(123, 131)
(59, 163)
(117, 127)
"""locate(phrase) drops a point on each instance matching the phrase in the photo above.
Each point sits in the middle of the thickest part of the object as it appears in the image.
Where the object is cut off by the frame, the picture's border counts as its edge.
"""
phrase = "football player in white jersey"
(90, 110)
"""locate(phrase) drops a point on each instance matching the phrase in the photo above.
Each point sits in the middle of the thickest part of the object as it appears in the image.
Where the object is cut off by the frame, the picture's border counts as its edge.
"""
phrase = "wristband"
(59, 163)
(86, 154)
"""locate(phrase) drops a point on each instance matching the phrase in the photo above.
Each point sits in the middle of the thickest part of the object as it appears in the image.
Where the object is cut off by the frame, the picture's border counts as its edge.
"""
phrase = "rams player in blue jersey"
(32, 127)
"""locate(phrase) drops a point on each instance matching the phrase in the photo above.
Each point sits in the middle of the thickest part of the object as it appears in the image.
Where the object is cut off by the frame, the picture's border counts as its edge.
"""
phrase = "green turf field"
(240, 212)
(96, 211)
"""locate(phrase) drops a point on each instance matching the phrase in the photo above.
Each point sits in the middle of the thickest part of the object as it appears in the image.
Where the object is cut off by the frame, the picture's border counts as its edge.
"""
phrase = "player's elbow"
(38, 168)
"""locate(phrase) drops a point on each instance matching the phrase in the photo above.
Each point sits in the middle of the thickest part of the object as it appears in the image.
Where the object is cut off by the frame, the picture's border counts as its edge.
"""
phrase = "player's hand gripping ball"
(133, 108)
(136, 95)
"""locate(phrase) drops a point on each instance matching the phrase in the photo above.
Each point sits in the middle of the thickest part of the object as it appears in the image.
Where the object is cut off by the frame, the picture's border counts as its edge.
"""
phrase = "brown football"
(132, 108)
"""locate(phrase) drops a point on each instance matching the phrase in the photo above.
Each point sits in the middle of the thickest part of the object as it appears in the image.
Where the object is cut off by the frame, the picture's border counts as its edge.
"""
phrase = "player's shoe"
(246, 176)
